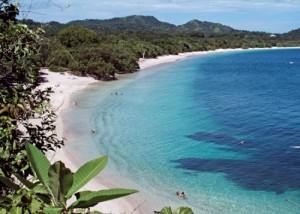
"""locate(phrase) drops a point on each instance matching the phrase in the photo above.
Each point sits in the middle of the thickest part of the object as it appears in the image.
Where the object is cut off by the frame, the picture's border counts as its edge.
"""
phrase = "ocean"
(223, 128)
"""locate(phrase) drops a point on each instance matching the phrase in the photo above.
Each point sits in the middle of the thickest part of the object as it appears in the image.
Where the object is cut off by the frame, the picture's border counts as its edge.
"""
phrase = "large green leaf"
(25, 182)
(89, 198)
(16, 210)
(38, 162)
(41, 189)
(53, 210)
(86, 172)
(35, 206)
(179, 210)
(166, 210)
(183, 210)
(9, 183)
(60, 181)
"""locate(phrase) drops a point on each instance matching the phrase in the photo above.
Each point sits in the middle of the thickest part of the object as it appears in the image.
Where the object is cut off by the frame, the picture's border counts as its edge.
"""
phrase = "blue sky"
(275, 16)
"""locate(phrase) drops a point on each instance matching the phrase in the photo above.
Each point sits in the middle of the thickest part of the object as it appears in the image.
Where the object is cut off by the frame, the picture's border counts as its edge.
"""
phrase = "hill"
(129, 23)
(293, 35)
(208, 28)
(151, 24)
(138, 24)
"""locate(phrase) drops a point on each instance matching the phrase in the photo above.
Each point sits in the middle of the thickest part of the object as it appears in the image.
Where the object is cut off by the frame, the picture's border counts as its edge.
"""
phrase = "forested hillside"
(151, 24)
(138, 24)
(207, 28)
(293, 35)
(129, 23)
(101, 48)
(102, 54)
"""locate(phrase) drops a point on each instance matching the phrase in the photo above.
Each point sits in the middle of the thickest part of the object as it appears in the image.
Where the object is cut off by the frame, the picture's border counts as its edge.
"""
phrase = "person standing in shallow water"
(181, 195)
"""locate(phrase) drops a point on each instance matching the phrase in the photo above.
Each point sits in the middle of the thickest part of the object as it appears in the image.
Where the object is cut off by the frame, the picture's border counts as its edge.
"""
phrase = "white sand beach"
(64, 85)
(146, 63)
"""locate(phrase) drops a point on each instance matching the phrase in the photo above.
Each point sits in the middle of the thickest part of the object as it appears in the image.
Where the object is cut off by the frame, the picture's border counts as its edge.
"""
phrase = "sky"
(274, 16)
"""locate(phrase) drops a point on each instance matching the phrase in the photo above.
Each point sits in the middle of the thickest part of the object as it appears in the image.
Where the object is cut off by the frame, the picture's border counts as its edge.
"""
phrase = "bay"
(220, 127)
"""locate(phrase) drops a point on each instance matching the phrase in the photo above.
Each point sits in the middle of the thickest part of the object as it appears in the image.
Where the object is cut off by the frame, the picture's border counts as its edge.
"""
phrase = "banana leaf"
(25, 182)
(86, 172)
(9, 183)
(88, 198)
(53, 210)
(38, 162)
(183, 210)
(166, 210)
(60, 181)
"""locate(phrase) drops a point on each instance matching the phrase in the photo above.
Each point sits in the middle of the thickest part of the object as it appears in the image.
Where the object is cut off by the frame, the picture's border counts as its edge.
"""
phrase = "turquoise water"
(178, 127)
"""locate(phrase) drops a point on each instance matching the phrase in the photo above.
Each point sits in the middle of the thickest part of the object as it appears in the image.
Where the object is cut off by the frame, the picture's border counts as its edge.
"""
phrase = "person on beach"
(93, 131)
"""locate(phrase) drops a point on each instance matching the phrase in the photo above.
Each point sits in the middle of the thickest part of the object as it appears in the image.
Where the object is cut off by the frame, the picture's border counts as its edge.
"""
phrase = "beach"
(64, 85)
(146, 63)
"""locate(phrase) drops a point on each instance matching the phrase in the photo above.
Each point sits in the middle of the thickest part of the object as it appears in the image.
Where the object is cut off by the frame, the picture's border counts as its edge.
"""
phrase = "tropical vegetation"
(55, 186)
(102, 54)
(25, 113)
(179, 210)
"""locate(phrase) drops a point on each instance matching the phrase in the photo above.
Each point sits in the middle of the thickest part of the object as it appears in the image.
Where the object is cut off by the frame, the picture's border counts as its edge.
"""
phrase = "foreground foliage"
(179, 210)
(25, 114)
(55, 186)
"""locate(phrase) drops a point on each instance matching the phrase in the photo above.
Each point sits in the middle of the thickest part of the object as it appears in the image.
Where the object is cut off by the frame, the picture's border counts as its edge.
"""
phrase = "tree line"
(101, 54)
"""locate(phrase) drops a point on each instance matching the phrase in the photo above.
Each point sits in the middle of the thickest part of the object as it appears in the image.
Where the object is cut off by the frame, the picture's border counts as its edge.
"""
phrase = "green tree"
(76, 35)
(197, 34)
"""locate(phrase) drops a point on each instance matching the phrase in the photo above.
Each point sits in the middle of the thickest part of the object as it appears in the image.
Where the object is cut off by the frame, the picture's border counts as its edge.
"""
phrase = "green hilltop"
(207, 28)
(137, 23)
(129, 23)
(152, 24)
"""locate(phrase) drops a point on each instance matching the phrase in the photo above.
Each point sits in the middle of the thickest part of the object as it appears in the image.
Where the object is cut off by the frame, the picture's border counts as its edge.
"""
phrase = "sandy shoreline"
(147, 63)
(64, 85)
